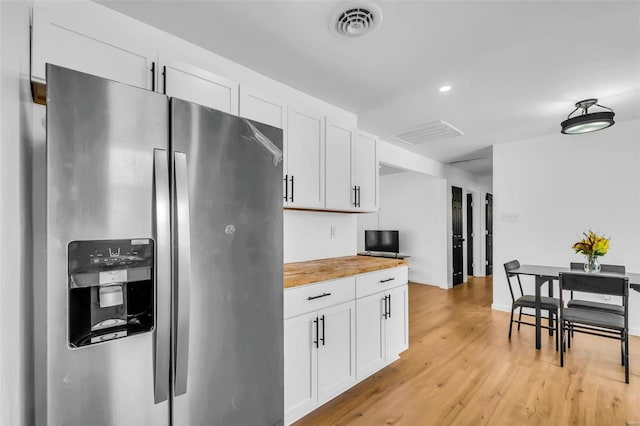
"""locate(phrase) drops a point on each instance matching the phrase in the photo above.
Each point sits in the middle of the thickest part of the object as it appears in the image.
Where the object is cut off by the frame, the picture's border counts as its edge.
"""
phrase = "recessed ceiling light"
(445, 89)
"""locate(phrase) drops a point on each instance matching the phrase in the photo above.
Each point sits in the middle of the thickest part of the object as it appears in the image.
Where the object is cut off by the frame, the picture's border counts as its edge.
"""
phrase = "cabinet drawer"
(384, 279)
(317, 296)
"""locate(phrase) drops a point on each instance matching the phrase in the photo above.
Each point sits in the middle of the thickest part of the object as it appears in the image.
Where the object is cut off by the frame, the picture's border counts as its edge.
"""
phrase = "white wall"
(478, 186)
(16, 297)
(307, 235)
(413, 204)
(560, 186)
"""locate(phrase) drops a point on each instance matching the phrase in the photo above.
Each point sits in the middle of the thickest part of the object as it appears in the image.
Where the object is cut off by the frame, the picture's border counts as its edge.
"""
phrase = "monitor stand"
(383, 254)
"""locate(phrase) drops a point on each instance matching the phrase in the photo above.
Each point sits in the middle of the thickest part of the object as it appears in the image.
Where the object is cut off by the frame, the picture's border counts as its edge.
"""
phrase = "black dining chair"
(590, 321)
(550, 304)
(598, 306)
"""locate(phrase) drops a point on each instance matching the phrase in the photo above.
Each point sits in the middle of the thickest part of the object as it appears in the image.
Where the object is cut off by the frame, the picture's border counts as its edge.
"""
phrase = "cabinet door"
(336, 354)
(82, 36)
(300, 366)
(338, 189)
(365, 171)
(305, 159)
(370, 335)
(397, 323)
(262, 107)
(193, 84)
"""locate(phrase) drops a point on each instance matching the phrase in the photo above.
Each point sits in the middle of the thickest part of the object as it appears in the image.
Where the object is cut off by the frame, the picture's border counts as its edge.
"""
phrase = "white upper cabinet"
(197, 85)
(261, 107)
(305, 159)
(81, 36)
(365, 171)
(340, 194)
(327, 164)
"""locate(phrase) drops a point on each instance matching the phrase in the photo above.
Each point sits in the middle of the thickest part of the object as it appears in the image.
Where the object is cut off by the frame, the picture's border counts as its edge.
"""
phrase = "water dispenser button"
(110, 296)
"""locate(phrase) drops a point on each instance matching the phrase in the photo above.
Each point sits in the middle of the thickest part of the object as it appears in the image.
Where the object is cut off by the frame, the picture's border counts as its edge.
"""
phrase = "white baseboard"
(416, 282)
(503, 308)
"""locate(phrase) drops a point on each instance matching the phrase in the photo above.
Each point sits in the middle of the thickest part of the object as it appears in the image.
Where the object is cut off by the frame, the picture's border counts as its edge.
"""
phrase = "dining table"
(547, 274)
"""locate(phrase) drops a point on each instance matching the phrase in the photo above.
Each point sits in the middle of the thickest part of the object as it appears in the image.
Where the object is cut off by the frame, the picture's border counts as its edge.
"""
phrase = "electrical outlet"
(510, 217)
(332, 232)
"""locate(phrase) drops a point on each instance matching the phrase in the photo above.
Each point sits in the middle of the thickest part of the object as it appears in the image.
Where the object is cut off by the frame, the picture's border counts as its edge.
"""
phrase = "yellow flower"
(592, 244)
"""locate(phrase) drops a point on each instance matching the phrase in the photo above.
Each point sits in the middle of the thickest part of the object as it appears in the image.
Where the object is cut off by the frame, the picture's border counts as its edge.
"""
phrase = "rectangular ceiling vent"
(430, 132)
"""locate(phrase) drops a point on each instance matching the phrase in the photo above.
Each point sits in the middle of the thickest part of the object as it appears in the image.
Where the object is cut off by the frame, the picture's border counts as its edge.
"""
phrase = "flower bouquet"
(592, 246)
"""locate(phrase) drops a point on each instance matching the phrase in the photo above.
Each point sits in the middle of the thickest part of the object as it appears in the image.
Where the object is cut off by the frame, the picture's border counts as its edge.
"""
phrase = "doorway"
(470, 235)
(456, 226)
(489, 234)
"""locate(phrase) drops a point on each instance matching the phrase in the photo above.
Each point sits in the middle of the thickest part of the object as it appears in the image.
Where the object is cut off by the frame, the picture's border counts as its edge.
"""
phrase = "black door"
(469, 235)
(456, 216)
(489, 233)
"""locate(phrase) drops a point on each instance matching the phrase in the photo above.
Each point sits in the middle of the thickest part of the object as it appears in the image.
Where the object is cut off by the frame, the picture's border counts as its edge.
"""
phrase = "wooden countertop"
(301, 273)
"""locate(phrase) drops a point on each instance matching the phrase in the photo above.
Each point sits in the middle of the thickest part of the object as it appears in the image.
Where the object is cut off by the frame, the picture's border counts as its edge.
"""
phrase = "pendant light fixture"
(587, 122)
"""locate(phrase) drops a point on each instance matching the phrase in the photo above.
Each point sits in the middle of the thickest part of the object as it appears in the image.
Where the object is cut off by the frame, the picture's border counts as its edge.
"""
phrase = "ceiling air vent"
(354, 20)
(430, 132)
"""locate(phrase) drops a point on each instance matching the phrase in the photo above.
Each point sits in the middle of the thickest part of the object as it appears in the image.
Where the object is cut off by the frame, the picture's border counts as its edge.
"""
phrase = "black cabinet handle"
(355, 196)
(387, 280)
(317, 341)
(384, 315)
(322, 319)
(153, 76)
(291, 199)
(386, 308)
(389, 296)
(286, 187)
(164, 79)
(318, 297)
(358, 196)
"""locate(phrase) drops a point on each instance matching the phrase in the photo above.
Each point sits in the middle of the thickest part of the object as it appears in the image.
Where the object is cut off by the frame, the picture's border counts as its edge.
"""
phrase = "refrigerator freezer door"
(100, 185)
(235, 354)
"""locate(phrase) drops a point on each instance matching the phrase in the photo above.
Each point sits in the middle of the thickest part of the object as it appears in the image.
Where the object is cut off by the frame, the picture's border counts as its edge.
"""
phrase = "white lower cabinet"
(300, 366)
(319, 360)
(382, 329)
(397, 322)
(370, 335)
(339, 332)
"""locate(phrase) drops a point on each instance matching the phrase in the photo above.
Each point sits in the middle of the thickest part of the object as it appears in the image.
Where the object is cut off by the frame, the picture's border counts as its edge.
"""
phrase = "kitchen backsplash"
(317, 235)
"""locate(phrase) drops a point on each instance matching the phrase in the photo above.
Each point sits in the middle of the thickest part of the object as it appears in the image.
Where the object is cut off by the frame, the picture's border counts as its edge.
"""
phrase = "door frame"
(470, 249)
(457, 242)
(488, 241)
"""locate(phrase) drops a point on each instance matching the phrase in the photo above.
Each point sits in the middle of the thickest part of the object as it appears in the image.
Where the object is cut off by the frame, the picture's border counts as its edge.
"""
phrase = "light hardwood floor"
(461, 369)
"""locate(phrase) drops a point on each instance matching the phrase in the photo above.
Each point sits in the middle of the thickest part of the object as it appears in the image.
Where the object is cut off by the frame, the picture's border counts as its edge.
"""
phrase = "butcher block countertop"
(301, 273)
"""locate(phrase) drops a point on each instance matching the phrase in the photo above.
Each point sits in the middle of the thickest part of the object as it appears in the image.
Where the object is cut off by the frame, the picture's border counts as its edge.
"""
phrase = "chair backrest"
(594, 283)
(618, 269)
(508, 267)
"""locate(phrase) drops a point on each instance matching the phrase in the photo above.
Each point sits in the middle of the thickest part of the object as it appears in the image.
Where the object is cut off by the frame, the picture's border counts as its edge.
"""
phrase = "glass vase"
(591, 264)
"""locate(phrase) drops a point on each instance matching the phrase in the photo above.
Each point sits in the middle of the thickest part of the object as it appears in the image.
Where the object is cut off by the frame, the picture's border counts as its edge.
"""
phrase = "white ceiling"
(516, 67)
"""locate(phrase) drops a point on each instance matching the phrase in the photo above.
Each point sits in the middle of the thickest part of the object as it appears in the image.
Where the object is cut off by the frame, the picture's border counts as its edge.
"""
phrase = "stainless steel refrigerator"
(163, 291)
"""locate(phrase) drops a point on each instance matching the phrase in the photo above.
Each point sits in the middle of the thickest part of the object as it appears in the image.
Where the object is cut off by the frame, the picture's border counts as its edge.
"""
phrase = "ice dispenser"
(111, 289)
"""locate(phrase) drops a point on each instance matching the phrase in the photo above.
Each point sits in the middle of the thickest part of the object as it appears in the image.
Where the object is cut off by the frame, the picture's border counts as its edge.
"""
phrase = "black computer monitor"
(383, 241)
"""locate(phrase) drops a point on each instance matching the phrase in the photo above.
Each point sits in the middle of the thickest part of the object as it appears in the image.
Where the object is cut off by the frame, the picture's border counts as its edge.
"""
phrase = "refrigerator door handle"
(183, 263)
(162, 225)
